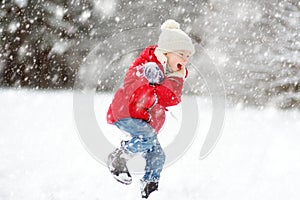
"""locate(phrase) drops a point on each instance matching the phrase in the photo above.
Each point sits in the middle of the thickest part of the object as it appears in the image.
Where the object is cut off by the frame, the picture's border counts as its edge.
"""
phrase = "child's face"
(178, 59)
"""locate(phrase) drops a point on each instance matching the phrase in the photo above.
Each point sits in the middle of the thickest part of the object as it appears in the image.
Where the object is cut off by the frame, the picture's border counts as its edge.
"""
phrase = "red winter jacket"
(138, 99)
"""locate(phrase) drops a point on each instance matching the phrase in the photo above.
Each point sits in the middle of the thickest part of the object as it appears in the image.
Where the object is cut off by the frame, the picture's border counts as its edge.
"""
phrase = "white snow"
(85, 15)
(42, 157)
(13, 26)
(61, 47)
(105, 7)
(21, 3)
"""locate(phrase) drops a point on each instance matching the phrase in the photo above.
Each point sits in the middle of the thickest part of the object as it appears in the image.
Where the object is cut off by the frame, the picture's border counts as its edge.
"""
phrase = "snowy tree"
(256, 46)
(37, 36)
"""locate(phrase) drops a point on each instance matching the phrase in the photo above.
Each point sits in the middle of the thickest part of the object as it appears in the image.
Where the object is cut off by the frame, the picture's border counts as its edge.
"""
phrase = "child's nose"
(185, 61)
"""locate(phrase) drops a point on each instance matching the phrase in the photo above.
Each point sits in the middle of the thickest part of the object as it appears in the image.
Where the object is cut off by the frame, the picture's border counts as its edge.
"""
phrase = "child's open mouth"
(179, 66)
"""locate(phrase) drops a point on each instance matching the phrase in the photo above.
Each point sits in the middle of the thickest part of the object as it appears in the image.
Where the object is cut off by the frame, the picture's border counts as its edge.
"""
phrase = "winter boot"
(147, 187)
(116, 164)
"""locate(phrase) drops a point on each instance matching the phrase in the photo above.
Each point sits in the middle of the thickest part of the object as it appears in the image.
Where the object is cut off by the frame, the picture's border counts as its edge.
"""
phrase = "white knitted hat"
(172, 38)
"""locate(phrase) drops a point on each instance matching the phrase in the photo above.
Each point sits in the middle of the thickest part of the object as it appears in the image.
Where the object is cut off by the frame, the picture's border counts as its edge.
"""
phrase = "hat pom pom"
(170, 24)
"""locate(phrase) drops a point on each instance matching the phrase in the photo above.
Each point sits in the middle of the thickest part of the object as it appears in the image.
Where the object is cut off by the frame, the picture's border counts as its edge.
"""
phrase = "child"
(153, 82)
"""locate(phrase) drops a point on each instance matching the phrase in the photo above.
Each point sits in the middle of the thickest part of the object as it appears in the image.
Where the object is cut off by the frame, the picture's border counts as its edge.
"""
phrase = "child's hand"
(153, 73)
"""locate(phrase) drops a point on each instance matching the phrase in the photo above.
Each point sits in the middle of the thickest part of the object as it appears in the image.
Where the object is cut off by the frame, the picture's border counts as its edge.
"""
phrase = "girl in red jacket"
(153, 82)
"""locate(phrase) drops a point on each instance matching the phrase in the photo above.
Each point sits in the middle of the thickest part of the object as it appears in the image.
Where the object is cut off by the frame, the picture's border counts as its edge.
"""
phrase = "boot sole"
(117, 177)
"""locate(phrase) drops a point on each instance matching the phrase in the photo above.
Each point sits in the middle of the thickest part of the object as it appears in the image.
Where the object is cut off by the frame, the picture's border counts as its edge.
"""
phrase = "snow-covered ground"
(41, 156)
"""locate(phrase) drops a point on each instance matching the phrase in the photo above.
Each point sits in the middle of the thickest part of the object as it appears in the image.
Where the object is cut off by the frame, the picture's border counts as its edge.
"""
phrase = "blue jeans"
(144, 140)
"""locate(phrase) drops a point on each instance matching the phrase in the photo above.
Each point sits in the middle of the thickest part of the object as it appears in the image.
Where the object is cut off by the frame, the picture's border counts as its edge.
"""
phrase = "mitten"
(153, 73)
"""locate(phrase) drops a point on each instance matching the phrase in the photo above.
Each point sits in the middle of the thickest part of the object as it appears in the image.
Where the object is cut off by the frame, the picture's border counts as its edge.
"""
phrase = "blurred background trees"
(254, 44)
